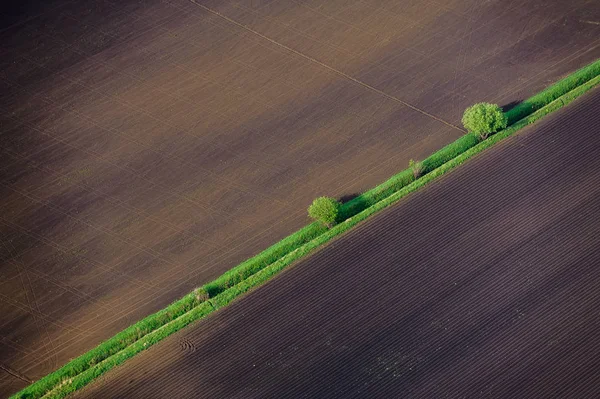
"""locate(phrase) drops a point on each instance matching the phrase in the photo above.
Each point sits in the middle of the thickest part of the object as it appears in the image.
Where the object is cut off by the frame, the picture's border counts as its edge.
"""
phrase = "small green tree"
(483, 119)
(325, 210)
(416, 167)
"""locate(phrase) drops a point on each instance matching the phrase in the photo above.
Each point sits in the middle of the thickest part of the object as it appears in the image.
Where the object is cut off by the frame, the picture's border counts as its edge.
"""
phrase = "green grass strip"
(112, 346)
(70, 385)
(553, 92)
(263, 259)
(258, 269)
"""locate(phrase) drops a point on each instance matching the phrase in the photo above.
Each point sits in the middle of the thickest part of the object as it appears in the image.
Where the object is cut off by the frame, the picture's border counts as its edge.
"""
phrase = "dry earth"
(483, 285)
(148, 146)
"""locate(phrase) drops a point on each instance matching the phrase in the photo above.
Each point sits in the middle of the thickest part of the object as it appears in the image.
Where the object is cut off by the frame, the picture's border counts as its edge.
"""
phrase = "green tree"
(325, 210)
(483, 119)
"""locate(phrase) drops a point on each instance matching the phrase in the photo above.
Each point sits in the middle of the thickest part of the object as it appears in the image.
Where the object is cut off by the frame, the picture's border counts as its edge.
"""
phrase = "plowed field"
(147, 146)
(483, 285)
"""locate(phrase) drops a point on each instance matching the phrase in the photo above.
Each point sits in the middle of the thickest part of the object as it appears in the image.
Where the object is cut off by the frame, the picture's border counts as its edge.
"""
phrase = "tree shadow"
(348, 197)
(511, 105)
(351, 205)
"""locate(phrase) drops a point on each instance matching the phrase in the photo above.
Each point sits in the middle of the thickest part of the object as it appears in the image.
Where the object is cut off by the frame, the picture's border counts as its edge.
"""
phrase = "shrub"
(416, 167)
(483, 119)
(201, 295)
(325, 210)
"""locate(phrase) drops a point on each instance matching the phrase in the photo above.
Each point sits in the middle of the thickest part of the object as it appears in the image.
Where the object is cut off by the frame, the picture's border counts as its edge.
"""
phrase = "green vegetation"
(324, 210)
(484, 119)
(66, 385)
(266, 257)
(260, 268)
(416, 167)
(97, 356)
(553, 92)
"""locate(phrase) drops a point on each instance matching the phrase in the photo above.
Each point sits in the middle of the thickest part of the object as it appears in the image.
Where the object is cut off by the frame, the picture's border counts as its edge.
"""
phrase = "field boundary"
(332, 69)
(260, 268)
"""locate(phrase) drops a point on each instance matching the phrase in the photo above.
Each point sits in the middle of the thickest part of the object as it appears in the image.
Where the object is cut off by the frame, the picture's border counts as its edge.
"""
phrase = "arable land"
(148, 146)
(485, 284)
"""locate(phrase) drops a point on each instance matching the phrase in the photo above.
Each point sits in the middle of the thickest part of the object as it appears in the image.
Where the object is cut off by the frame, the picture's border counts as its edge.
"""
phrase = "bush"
(483, 119)
(416, 167)
(325, 210)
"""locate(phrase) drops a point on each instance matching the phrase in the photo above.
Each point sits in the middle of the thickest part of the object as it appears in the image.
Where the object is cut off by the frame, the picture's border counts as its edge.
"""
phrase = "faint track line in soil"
(149, 147)
(21, 350)
(297, 2)
(138, 211)
(294, 30)
(21, 267)
(36, 313)
(32, 303)
(99, 229)
(431, 56)
(15, 373)
(239, 186)
(168, 93)
(61, 248)
(338, 72)
(578, 53)
(75, 291)
(524, 84)
(102, 159)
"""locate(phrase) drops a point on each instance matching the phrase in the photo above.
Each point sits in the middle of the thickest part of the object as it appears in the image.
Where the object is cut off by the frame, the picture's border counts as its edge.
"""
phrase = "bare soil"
(483, 285)
(148, 146)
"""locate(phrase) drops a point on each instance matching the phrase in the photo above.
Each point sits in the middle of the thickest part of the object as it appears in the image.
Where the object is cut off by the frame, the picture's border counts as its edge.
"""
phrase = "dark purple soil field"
(148, 146)
(483, 285)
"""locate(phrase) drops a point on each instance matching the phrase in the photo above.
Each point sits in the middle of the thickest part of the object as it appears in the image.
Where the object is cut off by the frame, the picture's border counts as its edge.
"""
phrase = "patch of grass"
(553, 92)
(260, 268)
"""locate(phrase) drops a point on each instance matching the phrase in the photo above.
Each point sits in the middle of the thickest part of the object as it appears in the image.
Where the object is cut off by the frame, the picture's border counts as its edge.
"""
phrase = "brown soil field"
(148, 146)
(485, 284)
